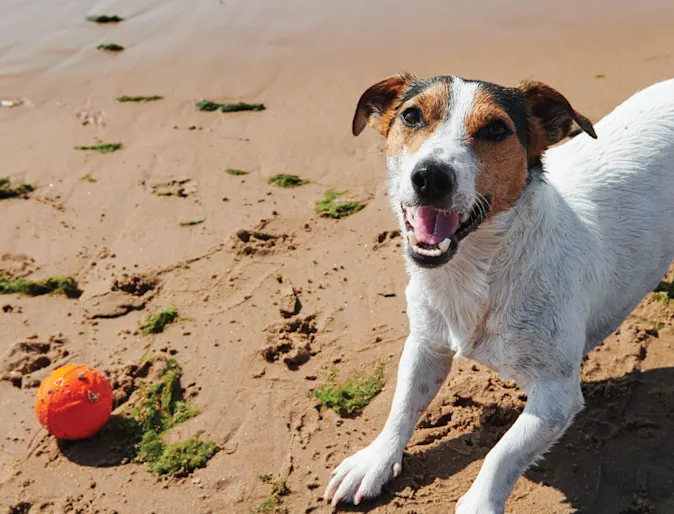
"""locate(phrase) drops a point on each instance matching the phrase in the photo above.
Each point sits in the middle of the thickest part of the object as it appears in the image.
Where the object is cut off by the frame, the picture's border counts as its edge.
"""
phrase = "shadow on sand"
(617, 457)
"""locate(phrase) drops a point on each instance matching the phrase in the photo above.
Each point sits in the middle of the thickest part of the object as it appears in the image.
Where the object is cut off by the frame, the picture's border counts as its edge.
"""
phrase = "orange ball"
(74, 402)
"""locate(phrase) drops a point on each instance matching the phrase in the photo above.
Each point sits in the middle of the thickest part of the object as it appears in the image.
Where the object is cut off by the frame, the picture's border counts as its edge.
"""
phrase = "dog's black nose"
(433, 180)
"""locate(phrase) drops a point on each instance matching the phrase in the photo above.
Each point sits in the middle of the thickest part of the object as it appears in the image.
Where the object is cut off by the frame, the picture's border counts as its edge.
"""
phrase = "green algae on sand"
(208, 106)
(235, 172)
(350, 396)
(157, 408)
(191, 223)
(139, 99)
(332, 207)
(7, 191)
(51, 285)
(110, 47)
(103, 18)
(283, 180)
(156, 323)
(101, 148)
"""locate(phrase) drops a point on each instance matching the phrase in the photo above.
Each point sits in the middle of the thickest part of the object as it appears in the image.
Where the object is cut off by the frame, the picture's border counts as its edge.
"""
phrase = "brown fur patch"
(550, 117)
(538, 142)
(502, 166)
(377, 105)
(433, 103)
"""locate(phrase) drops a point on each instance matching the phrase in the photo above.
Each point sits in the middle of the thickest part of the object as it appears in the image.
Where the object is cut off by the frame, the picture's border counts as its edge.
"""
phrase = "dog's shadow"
(617, 457)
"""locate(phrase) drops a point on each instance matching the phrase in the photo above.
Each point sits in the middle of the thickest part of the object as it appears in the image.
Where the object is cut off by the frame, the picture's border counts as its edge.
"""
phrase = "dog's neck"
(468, 288)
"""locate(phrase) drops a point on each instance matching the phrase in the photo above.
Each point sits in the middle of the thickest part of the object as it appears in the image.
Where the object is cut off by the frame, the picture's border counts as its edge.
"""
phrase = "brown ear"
(377, 105)
(550, 117)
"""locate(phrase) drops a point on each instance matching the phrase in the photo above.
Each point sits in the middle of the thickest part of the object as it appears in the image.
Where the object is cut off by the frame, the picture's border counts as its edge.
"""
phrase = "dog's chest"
(470, 324)
(463, 308)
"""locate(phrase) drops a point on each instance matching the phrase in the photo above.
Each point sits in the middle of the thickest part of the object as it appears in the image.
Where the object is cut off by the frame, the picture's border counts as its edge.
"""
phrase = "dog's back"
(620, 189)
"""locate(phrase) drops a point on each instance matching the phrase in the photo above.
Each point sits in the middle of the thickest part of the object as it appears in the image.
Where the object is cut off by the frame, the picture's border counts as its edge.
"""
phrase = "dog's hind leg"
(421, 372)
(550, 409)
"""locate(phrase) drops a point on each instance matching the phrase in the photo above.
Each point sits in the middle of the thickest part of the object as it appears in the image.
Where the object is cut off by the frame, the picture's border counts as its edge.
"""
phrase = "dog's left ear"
(550, 117)
(378, 103)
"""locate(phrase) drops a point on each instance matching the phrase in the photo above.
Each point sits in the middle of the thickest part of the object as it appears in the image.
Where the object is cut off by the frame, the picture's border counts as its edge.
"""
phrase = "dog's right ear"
(377, 105)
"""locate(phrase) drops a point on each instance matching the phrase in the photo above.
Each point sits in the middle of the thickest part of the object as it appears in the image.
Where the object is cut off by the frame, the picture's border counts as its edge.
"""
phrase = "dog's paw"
(363, 474)
(474, 503)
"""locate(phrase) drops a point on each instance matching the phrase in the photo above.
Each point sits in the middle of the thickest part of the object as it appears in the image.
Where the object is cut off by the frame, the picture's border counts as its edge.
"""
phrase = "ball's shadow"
(113, 445)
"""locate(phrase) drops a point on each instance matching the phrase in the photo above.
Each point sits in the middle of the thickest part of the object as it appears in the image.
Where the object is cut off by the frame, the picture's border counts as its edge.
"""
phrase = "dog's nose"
(433, 181)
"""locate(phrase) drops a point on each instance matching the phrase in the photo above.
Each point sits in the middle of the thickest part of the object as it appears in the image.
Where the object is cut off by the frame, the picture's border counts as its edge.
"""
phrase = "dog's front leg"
(422, 370)
(550, 408)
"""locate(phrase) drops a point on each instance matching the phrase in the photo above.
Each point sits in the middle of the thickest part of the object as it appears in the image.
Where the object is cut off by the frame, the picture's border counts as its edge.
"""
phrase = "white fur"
(448, 144)
(587, 240)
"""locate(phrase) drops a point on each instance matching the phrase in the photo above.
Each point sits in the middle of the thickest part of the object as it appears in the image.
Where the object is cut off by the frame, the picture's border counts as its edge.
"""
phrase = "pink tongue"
(432, 226)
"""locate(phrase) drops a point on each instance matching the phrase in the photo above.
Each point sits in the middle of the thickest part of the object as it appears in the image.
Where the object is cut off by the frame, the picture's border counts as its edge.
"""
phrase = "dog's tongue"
(432, 226)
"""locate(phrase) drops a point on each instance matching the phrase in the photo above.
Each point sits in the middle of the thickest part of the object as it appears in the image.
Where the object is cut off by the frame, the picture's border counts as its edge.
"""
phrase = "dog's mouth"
(434, 235)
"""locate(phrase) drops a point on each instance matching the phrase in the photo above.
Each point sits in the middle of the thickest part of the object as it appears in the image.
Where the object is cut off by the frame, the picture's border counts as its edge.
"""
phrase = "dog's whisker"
(482, 203)
(514, 209)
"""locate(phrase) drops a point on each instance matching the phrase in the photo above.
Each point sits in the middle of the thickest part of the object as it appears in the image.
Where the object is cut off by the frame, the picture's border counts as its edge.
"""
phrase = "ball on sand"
(74, 402)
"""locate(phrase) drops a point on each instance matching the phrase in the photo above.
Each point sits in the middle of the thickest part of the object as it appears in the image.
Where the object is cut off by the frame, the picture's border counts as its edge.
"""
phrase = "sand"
(307, 62)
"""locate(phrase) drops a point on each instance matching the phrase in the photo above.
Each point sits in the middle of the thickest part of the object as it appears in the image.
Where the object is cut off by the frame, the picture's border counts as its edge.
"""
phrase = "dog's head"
(459, 151)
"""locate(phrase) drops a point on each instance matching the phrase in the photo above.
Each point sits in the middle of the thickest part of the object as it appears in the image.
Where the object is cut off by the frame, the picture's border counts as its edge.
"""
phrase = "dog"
(522, 255)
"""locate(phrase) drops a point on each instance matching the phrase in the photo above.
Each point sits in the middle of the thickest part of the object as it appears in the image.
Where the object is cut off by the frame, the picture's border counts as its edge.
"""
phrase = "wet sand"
(308, 62)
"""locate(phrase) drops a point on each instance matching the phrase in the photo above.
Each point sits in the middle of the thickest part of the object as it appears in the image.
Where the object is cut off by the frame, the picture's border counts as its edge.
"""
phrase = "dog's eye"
(412, 117)
(495, 130)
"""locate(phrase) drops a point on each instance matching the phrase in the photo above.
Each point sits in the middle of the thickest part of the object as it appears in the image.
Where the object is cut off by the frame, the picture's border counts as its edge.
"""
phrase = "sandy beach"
(131, 215)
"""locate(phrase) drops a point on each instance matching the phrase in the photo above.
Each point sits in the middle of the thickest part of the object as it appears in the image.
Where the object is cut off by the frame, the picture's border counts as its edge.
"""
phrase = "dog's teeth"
(413, 211)
(464, 217)
(444, 246)
(435, 252)
(414, 240)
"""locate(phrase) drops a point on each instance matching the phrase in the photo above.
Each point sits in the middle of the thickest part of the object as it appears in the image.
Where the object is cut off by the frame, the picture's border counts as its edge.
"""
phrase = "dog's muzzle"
(433, 235)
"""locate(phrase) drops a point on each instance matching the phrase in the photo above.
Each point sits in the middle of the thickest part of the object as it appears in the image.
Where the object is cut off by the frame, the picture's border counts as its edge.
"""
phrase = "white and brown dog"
(519, 257)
